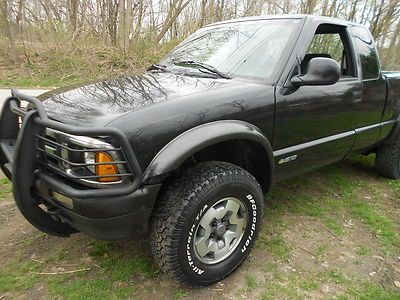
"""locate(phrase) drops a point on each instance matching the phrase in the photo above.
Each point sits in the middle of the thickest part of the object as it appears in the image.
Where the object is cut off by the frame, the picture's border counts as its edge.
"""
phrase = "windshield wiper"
(157, 67)
(202, 66)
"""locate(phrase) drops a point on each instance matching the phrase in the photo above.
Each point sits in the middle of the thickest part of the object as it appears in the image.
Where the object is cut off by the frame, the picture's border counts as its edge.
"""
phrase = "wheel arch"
(221, 141)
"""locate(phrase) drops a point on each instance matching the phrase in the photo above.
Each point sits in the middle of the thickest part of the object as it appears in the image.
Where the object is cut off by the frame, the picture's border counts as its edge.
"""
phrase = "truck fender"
(171, 156)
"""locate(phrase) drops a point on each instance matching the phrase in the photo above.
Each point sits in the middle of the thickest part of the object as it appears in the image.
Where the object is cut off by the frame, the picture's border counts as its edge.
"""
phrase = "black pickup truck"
(190, 148)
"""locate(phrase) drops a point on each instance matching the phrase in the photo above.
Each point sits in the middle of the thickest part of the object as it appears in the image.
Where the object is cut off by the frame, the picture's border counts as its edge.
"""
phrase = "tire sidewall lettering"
(196, 269)
(249, 238)
(253, 227)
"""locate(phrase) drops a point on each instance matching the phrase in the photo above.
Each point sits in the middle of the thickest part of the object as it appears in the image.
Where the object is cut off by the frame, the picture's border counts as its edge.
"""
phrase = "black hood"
(100, 102)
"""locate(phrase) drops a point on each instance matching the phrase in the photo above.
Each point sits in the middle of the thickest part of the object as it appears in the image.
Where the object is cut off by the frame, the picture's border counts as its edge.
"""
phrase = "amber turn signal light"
(106, 169)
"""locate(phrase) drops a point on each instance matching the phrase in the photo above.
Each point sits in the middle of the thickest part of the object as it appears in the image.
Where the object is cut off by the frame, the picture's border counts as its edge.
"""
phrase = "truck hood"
(98, 103)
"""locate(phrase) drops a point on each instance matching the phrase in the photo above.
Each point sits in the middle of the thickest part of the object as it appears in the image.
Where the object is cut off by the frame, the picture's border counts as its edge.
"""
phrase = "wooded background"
(123, 35)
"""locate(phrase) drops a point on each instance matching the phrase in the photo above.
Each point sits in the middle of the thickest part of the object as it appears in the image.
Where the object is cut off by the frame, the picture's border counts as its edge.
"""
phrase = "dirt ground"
(331, 234)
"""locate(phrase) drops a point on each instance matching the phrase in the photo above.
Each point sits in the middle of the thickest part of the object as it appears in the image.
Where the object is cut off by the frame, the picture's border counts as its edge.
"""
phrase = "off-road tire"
(180, 208)
(387, 161)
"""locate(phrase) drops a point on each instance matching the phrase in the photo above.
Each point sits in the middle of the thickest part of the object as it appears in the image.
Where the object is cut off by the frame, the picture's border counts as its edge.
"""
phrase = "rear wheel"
(387, 162)
(206, 222)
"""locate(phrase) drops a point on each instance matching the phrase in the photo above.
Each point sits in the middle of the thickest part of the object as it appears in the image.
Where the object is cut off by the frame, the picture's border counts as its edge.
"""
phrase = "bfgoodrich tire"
(206, 222)
(387, 161)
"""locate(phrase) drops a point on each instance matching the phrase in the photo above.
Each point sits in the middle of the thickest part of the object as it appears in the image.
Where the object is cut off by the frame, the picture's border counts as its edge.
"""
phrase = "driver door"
(314, 125)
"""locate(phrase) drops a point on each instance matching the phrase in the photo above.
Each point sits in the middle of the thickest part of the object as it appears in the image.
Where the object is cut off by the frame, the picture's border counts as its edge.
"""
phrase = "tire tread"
(387, 160)
(174, 206)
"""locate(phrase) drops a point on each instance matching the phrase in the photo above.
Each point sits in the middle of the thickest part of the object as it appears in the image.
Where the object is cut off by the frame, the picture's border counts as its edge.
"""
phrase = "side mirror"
(320, 71)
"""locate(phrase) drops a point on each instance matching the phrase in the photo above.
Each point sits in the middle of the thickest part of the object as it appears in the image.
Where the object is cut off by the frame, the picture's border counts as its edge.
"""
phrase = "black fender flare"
(172, 155)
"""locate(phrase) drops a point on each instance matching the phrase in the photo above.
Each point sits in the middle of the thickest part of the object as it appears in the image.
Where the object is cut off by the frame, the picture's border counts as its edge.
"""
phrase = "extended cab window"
(366, 49)
(331, 41)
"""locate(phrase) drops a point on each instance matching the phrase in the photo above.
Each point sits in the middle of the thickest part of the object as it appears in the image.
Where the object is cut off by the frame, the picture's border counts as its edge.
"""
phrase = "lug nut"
(214, 224)
(223, 219)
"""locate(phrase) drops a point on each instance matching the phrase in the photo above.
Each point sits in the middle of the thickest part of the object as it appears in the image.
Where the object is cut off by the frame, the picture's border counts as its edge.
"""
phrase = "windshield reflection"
(249, 49)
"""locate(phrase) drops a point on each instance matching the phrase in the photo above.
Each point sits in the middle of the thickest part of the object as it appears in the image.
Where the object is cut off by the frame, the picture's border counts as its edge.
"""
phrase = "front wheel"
(206, 222)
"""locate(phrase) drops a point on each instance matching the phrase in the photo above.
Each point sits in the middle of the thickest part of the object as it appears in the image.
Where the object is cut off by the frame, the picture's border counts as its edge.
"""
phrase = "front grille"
(60, 154)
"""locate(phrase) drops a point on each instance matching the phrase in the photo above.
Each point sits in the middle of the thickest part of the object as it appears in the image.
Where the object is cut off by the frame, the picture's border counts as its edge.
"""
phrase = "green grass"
(298, 286)
(84, 288)
(17, 276)
(395, 185)
(120, 266)
(381, 226)
(363, 250)
(328, 197)
(280, 291)
(123, 267)
(112, 275)
(180, 293)
(277, 246)
(101, 248)
(308, 283)
(321, 249)
(5, 188)
(63, 64)
(333, 224)
(332, 194)
(25, 82)
(251, 283)
(372, 291)
(333, 276)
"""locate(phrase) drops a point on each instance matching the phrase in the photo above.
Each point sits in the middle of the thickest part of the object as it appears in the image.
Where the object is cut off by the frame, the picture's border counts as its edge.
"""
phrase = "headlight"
(88, 159)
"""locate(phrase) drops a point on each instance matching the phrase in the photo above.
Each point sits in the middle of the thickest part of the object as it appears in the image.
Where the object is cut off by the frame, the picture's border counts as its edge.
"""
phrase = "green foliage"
(277, 246)
(101, 248)
(251, 283)
(181, 293)
(363, 250)
(333, 276)
(5, 188)
(372, 291)
(333, 224)
(120, 266)
(17, 275)
(84, 288)
(321, 250)
(280, 291)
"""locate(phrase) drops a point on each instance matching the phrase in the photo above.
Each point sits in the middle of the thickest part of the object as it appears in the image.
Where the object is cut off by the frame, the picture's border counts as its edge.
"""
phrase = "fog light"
(106, 169)
(63, 199)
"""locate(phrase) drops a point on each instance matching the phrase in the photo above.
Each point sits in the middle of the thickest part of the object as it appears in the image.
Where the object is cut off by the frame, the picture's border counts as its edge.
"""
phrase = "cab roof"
(320, 19)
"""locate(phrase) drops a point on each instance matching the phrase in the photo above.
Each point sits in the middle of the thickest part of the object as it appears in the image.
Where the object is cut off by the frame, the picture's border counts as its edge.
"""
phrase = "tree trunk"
(121, 23)
(203, 13)
(173, 13)
(7, 27)
(393, 52)
(19, 18)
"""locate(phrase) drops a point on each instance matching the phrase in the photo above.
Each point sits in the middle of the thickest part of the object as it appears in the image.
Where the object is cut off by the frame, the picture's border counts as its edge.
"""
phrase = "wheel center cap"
(220, 230)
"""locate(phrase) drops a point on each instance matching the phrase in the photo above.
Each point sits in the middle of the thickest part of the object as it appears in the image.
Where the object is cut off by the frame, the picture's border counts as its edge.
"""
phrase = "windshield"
(250, 49)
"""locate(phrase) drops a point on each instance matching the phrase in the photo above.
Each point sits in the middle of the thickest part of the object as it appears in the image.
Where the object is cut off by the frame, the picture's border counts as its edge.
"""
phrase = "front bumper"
(106, 213)
(106, 218)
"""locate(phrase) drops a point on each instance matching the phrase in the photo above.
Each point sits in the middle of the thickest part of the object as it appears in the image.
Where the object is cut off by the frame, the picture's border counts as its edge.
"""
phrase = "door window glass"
(331, 42)
(366, 49)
